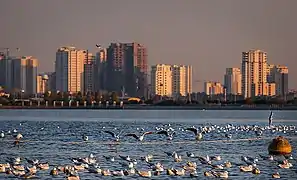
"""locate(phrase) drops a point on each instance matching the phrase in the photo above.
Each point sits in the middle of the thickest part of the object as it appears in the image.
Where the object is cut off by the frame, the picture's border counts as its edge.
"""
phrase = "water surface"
(54, 136)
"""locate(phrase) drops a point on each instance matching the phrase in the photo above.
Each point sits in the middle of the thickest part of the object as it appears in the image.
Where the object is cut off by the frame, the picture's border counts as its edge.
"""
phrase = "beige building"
(181, 80)
(42, 84)
(279, 75)
(69, 68)
(254, 74)
(161, 82)
(232, 81)
(270, 89)
(171, 80)
(213, 88)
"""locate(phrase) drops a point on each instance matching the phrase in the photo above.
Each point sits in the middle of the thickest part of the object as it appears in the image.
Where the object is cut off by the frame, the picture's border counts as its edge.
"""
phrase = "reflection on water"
(56, 136)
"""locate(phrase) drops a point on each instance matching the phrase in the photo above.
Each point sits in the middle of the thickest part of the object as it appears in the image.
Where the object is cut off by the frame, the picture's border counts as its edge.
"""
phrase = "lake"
(55, 136)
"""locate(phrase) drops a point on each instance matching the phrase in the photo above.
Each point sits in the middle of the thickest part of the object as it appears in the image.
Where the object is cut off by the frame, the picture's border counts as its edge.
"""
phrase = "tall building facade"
(213, 88)
(69, 68)
(20, 74)
(127, 68)
(2, 70)
(181, 80)
(232, 81)
(171, 80)
(254, 74)
(161, 80)
(89, 69)
(42, 83)
(280, 76)
(100, 76)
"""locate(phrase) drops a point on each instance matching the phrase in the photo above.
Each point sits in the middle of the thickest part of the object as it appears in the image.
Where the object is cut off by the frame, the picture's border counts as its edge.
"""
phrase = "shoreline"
(141, 107)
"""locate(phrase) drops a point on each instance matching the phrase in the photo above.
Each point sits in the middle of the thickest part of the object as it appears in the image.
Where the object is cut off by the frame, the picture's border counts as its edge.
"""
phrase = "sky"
(207, 34)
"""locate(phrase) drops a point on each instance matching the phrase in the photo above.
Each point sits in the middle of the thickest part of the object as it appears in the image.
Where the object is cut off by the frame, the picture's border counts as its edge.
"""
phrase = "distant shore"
(153, 107)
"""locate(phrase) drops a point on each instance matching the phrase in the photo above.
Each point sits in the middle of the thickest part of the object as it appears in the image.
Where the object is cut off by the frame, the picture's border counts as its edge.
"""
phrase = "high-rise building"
(254, 74)
(280, 76)
(127, 68)
(42, 83)
(161, 81)
(89, 77)
(181, 80)
(20, 74)
(213, 88)
(2, 70)
(51, 81)
(232, 81)
(69, 68)
(100, 77)
(171, 80)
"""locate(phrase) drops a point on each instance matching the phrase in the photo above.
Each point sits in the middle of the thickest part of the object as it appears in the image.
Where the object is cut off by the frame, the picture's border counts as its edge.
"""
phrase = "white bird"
(19, 136)
(2, 134)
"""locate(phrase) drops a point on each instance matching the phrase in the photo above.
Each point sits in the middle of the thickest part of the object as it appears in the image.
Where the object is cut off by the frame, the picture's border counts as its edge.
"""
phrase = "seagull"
(98, 45)
(18, 136)
(169, 136)
(228, 136)
(85, 137)
(270, 119)
(198, 135)
(116, 136)
(141, 137)
(2, 135)
(109, 158)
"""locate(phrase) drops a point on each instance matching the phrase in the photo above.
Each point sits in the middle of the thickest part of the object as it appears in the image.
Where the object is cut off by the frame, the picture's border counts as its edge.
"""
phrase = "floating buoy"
(279, 145)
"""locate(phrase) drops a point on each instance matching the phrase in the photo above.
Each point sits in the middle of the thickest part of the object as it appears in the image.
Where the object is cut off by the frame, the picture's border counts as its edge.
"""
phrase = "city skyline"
(203, 33)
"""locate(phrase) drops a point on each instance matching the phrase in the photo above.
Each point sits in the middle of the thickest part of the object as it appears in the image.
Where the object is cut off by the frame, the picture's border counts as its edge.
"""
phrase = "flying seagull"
(198, 135)
(141, 137)
(166, 133)
(114, 135)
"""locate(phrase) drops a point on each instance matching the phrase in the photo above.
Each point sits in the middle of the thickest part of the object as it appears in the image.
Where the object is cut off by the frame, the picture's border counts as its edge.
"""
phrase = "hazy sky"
(208, 34)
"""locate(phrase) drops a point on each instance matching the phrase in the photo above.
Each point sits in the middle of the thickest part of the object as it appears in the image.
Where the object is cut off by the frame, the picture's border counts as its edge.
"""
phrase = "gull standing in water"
(270, 119)
(85, 137)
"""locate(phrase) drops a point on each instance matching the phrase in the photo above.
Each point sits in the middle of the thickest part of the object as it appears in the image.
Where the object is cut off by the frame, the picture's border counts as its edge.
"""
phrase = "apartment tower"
(89, 67)
(127, 68)
(232, 81)
(213, 88)
(161, 79)
(280, 76)
(100, 76)
(181, 80)
(20, 74)
(69, 68)
(254, 74)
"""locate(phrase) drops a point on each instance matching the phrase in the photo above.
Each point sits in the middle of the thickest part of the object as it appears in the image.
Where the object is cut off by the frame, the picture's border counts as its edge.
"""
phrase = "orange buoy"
(279, 145)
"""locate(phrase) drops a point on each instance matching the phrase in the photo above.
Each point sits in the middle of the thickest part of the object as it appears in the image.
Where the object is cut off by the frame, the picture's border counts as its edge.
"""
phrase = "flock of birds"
(150, 165)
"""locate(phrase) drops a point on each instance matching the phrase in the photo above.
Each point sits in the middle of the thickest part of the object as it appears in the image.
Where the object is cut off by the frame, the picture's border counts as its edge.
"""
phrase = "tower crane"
(7, 50)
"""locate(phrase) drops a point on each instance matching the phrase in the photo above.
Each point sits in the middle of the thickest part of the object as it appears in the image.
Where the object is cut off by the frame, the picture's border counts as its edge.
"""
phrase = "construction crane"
(7, 50)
